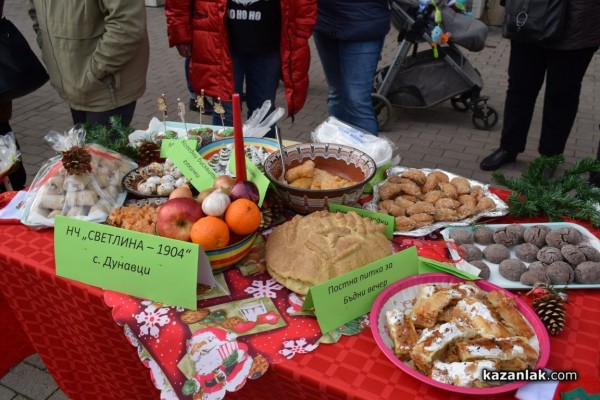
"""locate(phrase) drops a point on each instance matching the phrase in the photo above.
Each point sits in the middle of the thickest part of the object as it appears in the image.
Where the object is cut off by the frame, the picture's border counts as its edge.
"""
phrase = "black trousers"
(563, 71)
(102, 118)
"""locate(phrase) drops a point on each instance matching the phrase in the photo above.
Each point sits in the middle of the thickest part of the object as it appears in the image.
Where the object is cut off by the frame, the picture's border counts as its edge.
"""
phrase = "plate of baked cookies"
(458, 335)
(517, 256)
(424, 200)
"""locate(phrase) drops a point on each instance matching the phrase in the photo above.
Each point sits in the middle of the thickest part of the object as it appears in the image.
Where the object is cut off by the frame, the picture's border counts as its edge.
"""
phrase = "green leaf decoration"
(569, 195)
(351, 328)
(579, 394)
(189, 387)
(115, 138)
(215, 317)
(231, 360)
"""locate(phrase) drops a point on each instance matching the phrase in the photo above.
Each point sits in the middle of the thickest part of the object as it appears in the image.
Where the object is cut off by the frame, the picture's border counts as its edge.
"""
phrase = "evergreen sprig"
(569, 195)
(115, 138)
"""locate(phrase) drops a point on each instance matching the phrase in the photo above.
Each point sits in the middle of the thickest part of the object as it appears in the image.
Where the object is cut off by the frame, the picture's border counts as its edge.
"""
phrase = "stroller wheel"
(485, 117)
(383, 110)
(460, 102)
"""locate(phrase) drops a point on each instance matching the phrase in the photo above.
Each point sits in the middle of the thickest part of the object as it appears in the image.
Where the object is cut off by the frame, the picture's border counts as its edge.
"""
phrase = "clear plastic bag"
(259, 123)
(9, 154)
(380, 148)
(89, 196)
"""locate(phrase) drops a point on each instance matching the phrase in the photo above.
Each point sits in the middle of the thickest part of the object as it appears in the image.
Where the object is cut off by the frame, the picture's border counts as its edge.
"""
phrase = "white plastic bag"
(380, 148)
(9, 155)
(259, 123)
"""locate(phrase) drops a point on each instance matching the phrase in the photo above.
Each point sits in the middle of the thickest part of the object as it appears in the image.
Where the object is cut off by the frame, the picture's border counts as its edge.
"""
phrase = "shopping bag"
(21, 72)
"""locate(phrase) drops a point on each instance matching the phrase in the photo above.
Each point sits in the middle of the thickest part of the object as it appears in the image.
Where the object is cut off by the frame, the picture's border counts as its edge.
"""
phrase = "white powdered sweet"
(460, 373)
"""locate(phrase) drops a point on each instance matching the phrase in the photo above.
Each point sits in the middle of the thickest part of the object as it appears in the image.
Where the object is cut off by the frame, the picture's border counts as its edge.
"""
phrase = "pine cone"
(148, 152)
(77, 161)
(551, 310)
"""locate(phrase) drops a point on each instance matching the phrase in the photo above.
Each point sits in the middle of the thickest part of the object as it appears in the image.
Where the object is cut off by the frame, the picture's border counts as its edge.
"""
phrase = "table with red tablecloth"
(73, 330)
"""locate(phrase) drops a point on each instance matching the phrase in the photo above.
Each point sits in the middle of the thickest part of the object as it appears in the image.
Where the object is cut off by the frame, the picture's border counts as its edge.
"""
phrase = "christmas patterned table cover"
(244, 324)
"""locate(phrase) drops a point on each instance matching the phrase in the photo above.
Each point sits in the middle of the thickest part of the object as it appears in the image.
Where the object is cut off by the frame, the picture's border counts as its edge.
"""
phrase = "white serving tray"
(499, 280)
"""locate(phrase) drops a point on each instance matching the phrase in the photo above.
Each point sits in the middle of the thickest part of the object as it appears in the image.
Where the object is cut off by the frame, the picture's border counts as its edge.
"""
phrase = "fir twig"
(115, 138)
(569, 195)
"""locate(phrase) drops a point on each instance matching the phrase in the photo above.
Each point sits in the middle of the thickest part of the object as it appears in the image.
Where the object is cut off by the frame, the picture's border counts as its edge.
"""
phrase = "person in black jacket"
(562, 64)
(349, 36)
(18, 177)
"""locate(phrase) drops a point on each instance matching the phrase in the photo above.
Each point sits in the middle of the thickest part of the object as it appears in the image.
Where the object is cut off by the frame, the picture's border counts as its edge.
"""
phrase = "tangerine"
(210, 233)
(243, 216)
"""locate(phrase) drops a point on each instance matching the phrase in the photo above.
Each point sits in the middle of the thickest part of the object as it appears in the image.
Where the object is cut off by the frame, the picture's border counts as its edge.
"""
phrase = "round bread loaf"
(312, 249)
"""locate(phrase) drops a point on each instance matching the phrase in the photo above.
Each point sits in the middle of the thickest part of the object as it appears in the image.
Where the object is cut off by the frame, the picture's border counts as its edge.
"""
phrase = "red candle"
(238, 140)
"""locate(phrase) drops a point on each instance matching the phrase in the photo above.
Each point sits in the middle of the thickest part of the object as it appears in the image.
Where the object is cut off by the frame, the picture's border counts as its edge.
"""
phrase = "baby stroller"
(420, 79)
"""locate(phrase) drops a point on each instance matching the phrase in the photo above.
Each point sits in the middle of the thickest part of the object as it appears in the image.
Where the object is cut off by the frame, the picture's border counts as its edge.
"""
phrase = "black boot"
(497, 159)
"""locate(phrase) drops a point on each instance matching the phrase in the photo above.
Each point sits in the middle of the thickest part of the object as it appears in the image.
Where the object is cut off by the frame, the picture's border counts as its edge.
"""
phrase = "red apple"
(176, 217)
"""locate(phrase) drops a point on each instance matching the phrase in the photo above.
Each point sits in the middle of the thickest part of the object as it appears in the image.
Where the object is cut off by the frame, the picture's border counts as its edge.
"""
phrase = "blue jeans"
(262, 73)
(186, 66)
(350, 68)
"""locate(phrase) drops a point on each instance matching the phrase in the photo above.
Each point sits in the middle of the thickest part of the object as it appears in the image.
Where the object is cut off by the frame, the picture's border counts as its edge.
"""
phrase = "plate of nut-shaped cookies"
(458, 335)
(424, 200)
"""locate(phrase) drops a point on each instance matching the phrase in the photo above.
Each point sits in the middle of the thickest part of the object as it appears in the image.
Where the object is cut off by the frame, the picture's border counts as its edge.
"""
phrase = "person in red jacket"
(255, 43)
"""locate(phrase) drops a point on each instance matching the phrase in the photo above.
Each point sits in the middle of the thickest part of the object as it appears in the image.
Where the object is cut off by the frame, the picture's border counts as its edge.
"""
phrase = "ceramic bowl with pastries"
(317, 174)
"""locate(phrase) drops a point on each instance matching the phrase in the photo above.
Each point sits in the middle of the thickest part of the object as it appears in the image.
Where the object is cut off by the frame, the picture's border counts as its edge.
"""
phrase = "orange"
(243, 216)
(210, 233)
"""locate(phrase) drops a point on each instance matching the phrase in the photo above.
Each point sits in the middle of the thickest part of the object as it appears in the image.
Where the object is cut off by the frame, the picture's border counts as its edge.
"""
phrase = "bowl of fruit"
(222, 220)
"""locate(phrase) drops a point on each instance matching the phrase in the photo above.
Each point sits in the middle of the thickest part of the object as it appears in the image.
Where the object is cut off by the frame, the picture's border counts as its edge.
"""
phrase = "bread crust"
(312, 249)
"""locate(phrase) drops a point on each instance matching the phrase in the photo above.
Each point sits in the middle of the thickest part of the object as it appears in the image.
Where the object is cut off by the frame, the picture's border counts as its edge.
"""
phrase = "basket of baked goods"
(223, 219)
(424, 200)
(312, 175)
(458, 335)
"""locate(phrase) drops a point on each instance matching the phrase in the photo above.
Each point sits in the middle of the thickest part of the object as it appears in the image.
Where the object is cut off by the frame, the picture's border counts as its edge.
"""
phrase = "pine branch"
(115, 138)
(569, 195)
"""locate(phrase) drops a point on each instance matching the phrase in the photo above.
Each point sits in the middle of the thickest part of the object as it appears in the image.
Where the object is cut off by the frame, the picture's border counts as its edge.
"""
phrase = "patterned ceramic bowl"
(343, 161)
(221, 259)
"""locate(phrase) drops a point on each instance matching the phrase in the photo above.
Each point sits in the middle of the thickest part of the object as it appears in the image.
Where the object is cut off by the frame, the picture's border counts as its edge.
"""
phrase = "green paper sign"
(134, 263)
(351, 295)
(191, 164)
(253, 174)
(387, 220)
(166, 144)
(378, 177)
(427, 265)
